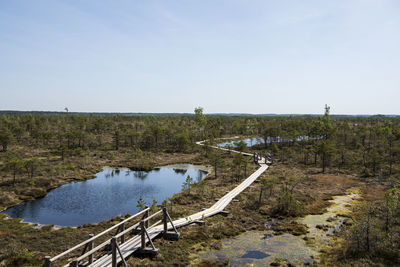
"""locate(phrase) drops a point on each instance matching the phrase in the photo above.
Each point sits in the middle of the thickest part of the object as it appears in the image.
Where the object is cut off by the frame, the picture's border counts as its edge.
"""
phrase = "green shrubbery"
(286, 203)
(376, 230)
(20, 257)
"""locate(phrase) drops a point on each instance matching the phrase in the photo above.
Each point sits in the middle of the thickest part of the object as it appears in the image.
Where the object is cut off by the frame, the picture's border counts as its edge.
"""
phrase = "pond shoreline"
(179, 169)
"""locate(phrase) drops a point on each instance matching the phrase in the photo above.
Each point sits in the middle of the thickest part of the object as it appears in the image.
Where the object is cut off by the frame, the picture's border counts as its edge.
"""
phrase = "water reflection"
(258, 140)
(180, 171)
(140, 174)
(254, 254)
(112, 192)
(200, 175)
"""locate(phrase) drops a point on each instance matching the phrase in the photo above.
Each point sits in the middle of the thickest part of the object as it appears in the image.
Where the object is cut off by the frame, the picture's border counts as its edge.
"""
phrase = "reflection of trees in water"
(58, 208)
(140, 174)
(26, 210)
(111, 173)
(18, 210)
(180, 171)
(200, 175)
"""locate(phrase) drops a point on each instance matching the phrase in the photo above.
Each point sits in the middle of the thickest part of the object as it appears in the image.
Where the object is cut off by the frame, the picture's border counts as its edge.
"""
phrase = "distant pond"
(111, 193)
(258, 140)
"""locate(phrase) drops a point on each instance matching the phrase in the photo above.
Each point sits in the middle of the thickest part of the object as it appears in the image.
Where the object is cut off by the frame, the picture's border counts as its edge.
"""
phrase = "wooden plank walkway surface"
(134, 244)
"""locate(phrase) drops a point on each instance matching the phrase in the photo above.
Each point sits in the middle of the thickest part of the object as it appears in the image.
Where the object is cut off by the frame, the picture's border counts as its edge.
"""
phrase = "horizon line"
(188, 113)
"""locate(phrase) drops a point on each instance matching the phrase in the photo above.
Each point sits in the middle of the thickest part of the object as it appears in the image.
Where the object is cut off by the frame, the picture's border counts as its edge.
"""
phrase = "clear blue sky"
(253, 56)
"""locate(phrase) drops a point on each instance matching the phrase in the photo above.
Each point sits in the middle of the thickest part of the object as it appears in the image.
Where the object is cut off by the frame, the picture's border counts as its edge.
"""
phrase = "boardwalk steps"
(166, 227)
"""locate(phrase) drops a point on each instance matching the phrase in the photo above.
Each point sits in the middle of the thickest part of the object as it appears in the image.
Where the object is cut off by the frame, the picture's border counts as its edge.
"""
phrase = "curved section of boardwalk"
(134, 243)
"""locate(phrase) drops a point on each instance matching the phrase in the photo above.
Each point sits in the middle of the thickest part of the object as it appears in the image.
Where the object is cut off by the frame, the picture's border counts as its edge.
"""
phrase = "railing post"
(47, 261)
(169, 235)
(143, 246)
(114, 251)
(122, 228)
(146, 214)
(90, 248)
(123, 236)
(165, 219)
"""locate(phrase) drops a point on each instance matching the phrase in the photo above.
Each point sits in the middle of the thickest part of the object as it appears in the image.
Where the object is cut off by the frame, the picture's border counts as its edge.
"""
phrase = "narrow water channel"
(111, 193)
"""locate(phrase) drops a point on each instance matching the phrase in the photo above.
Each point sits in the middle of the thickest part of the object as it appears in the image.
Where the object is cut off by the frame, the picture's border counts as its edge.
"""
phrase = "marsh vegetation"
(44, 151)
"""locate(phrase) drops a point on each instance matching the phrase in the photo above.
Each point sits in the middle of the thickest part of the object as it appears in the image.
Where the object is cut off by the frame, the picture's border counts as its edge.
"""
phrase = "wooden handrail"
(153, 231)
(155, 224)
(90, 252)
(134, 226)
(97, 236)
(127, 230)
(117, 236)
(151, 216)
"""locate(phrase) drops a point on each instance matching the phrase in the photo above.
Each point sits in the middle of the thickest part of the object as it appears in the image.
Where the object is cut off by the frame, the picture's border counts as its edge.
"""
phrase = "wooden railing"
(147, 233)
(259, 158)
(120, 234)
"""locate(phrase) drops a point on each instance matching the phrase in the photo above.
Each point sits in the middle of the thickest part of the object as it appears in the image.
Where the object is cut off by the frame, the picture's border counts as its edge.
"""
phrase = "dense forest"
(37, 147)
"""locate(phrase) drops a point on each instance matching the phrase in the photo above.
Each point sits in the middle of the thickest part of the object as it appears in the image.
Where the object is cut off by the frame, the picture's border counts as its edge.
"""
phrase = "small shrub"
(20, 257)
(287, 205)
(70, 166)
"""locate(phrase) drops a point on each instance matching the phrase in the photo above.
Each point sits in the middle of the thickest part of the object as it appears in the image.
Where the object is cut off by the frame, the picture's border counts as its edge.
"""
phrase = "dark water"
(255, 254)
(252, 248)
(258, 140)
(111, 193)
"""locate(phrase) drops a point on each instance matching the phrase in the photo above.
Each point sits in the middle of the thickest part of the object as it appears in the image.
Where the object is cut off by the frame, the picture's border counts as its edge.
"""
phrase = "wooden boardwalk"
(136, 243)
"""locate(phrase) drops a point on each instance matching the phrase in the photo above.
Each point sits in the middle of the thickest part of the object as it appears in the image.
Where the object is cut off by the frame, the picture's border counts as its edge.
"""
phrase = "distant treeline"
(369, 145)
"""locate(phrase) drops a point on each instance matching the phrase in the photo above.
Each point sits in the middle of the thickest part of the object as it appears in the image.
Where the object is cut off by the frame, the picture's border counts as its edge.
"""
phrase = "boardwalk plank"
(133, 244)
